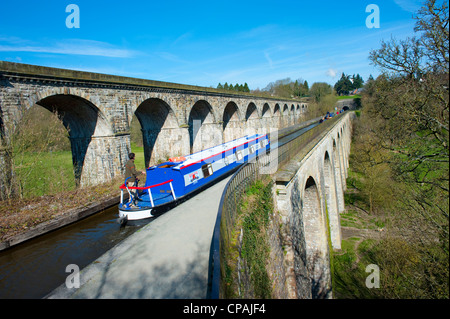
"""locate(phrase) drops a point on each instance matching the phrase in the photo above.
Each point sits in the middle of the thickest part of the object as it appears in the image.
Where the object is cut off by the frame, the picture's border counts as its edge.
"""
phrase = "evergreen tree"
(358, 82)
(343, 85)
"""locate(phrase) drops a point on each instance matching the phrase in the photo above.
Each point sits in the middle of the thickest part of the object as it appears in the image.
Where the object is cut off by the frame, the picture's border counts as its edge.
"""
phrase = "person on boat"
(130, 171)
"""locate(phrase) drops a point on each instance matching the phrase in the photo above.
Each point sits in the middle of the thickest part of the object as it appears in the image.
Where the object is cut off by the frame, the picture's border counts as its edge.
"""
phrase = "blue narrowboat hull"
(171, 181)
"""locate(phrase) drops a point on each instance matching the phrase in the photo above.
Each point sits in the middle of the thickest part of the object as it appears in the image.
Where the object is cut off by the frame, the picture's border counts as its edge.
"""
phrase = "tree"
(343, 86)
(319, 90)
(238, 87)
(358, 82)
(306, 87)
(407, 110)
(287, 88)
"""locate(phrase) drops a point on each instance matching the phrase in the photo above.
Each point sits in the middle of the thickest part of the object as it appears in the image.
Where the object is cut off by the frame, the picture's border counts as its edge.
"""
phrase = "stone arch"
(203, 132)
(285, 116)
(316, 240)
(331, 201)
(266, 117)
(291, 120)
(159, 127)
(88, 132)
(251, 119)
(231, 122)
(54, 91)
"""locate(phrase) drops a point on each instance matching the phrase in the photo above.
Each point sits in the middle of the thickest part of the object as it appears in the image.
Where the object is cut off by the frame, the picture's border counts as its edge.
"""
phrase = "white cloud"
(332, 72)
(267, 56)
(69, 47)
(409, 5)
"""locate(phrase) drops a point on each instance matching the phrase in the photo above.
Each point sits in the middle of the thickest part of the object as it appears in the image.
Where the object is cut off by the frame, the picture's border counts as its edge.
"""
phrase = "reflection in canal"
(35, 268)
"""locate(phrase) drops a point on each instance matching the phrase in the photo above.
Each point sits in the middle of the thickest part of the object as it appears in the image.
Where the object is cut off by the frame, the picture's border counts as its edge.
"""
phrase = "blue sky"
(204, 42)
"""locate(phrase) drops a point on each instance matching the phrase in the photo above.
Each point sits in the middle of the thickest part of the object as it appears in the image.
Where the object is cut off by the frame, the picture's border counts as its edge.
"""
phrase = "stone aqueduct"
(310, 200)
(97, 110)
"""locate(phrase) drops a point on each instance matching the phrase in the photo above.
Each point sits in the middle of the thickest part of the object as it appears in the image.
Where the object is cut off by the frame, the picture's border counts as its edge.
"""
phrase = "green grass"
(140, 159)
(44, 173)
(344, 97)
(48, 173)
(253, 218)
(349, 276)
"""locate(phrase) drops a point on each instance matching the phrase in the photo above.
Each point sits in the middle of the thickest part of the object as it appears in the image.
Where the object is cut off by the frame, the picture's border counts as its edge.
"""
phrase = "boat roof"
(213, 151)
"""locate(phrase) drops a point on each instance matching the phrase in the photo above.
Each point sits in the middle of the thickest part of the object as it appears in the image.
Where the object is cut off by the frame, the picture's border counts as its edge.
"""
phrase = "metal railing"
(242, 178)
(148, 189)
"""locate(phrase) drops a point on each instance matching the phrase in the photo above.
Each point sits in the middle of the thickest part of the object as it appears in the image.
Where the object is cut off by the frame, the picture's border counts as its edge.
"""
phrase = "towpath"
(168, 258)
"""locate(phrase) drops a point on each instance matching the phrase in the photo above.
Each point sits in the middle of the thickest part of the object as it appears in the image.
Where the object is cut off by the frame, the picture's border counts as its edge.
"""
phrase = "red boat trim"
(148, 187)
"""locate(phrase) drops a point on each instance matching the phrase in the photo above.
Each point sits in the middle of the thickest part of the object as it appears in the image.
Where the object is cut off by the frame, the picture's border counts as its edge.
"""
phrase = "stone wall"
(304, 227)
(309, 212)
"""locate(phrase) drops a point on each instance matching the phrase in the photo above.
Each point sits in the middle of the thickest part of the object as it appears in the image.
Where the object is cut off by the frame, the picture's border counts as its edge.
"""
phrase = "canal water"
(35, 268)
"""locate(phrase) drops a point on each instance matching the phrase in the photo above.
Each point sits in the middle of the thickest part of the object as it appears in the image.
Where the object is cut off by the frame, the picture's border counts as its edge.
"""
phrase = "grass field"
(44, 173)
(49, 173)
(139, 159)
(345, 97)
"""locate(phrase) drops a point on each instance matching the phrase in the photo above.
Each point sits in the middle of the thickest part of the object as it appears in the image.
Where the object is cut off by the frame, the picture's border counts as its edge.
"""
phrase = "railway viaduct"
(97, 110)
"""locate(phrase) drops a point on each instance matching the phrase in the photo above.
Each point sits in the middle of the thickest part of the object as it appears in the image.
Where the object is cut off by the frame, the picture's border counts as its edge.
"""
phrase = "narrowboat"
(171, 181)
